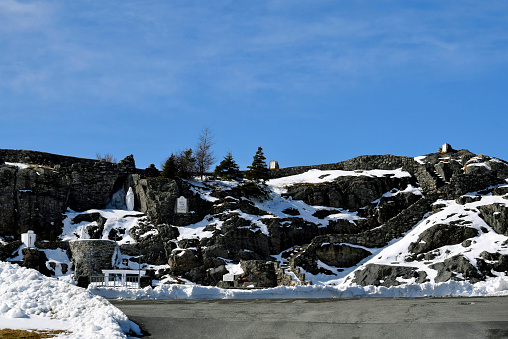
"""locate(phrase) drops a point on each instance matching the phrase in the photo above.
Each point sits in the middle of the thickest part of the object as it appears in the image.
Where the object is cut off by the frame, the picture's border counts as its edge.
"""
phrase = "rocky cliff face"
(37, 188)
(372, 220)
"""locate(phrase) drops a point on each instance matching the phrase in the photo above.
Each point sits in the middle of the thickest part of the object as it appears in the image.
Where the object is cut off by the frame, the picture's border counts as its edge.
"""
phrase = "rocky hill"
(379, 220)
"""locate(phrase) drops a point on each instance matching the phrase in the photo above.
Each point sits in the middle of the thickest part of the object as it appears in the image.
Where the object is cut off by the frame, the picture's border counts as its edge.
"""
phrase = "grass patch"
(29, 334)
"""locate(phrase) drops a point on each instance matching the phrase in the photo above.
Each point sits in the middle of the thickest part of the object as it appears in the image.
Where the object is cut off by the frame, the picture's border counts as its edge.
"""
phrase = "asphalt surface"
(321, 318)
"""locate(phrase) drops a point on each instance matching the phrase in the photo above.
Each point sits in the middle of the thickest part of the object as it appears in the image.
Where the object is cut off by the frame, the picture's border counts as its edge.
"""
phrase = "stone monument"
(181, 206)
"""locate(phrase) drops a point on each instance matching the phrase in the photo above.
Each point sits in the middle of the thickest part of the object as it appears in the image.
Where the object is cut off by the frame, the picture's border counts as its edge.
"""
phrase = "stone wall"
(90, 257)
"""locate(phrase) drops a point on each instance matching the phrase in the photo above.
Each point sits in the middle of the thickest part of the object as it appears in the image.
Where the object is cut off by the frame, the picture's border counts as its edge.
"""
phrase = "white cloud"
(127, 50)
(23, 16)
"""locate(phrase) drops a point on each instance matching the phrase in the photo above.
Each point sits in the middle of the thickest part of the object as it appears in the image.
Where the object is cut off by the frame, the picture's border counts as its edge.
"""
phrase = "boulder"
(496, 216)
(198, 265)
(501, 190)
(492, 261)
(245, 243)
(7, 249)
(183, 261)
(441, 235)
(241, 238)
(452, 267)
(94, 230)
(466, 199)
(188, 243)
(33, 258)
(387, 275)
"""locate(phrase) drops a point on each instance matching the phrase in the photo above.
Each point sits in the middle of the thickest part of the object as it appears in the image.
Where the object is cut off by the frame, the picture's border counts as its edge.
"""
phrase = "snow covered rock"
(456, 268)
(387, 275)
(441, 235)
(351, 191)
(496, 216)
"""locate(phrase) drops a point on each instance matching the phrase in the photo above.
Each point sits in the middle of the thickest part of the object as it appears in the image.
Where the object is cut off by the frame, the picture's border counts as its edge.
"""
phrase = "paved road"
(321, 318)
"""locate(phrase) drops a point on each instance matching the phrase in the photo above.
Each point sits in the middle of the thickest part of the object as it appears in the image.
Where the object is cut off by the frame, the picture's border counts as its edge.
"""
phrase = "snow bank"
(29, 300)
(493, 287)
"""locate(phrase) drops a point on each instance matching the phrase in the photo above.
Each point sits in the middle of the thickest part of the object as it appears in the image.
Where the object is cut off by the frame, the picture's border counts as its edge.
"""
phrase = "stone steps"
(286, 272)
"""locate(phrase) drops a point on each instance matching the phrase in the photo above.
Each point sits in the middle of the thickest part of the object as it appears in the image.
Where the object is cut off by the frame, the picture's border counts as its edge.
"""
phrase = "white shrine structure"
(29, 239)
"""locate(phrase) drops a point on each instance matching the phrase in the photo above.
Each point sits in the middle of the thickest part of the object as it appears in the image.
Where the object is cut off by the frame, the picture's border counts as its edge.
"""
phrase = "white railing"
(129, 281)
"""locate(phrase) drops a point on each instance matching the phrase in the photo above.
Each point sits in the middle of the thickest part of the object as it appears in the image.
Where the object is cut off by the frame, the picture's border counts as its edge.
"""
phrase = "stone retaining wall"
(90, 257)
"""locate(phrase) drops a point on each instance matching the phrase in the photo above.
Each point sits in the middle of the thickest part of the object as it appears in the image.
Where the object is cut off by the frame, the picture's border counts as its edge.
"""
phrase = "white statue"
(129, 200)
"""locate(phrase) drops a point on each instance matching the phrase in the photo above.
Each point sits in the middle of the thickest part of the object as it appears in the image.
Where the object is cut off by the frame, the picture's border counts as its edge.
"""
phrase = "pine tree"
(258, 170)
(185, 164)
(170, 169)
(228, 169)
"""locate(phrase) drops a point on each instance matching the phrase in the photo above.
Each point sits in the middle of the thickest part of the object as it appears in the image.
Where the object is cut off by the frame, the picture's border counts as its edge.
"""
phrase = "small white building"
(446, 148)
(29, 239)
(273, 165)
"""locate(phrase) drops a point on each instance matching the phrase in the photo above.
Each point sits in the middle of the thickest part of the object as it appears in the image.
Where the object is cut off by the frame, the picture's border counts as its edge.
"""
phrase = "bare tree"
(108, 157)
(204, 155)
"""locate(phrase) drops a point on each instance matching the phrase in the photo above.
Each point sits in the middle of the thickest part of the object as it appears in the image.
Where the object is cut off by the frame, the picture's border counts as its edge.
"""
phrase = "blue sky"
(310, 81)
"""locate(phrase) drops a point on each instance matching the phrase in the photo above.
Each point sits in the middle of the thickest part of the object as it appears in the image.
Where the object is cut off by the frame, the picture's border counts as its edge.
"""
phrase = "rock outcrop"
(347, 192)
(387, 275)
(37, 188)
(311, 227)
(496, 216)
(441, 235)
(156, 197)
(452, 267)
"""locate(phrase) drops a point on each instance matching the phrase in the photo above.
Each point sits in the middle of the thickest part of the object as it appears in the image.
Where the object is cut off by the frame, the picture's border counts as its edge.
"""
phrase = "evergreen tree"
(170, 169)
(258, 170)
(228, 168)
(186, 164)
